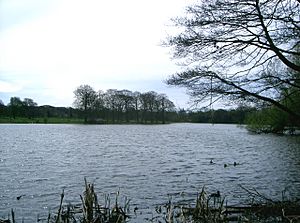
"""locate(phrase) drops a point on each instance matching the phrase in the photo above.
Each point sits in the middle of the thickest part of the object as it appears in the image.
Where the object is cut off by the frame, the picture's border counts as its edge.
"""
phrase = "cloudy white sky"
(50, 47)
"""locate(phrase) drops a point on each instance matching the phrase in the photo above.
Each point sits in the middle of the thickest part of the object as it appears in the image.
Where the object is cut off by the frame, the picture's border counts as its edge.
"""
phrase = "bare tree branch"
(229, 48)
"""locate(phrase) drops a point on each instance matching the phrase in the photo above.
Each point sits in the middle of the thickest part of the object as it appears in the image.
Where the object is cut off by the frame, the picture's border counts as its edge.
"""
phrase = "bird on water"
(19, 197)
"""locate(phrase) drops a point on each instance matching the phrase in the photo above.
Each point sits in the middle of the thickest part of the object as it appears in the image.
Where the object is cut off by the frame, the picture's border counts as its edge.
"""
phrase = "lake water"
(147, 163)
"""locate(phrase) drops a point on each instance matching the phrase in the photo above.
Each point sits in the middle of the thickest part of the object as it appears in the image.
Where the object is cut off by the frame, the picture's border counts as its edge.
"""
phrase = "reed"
(91, 211)
(212, 209)
(207, 208)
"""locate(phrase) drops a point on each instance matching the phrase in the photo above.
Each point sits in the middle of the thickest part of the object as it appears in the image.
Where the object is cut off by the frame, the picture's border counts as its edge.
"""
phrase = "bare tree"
(163, 105)
(85, 97)
(127, 97)
(230, 48)
(99, 104)
(136, 103)
(148, 101)
(29, 107)
(29, 102)
(110, 99)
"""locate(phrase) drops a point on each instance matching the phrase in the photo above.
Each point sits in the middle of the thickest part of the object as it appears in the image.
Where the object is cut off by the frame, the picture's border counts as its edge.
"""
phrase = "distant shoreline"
(71, 121)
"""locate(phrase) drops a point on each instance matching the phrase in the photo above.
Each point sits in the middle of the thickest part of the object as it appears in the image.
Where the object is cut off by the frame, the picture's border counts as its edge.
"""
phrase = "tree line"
(28, 111)
(123, 106)
(112, 106)
(115, 106)
(239, 115)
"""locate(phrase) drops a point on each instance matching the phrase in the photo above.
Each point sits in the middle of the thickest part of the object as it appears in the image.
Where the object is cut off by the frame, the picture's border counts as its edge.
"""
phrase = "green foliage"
(223, 116)
(268, 120)
(272, 119)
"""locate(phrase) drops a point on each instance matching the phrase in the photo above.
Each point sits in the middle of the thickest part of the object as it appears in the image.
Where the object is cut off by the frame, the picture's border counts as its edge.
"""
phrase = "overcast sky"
(50, 47)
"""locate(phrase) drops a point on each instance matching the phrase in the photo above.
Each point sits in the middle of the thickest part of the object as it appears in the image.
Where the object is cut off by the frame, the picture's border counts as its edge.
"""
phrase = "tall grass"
(91, 211)
(207, 208)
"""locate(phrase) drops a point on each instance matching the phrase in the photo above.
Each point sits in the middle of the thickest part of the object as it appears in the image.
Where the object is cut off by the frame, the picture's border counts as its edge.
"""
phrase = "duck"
(235, 164)
(19, 197)
(225, 165)
(211, 161)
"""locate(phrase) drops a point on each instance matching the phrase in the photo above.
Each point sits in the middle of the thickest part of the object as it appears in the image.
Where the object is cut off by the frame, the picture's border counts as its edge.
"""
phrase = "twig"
(256, 194)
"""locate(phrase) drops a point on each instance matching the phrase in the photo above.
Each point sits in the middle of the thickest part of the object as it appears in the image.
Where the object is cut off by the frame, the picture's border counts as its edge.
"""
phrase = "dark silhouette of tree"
(230, 46)
(111, 103)
(136, 103)
(148, 101)
(163, 105)
(15, 106)
(127, 98)
(99, 104)
(29, 102)
(119, 104)
(29, 107)
(3, 109)
(143, 107)
(182, 115)
(85, 97)
(151, 99)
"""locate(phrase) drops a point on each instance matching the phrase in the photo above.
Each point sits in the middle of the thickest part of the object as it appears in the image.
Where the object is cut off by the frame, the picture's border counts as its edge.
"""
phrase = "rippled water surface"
(146, 163)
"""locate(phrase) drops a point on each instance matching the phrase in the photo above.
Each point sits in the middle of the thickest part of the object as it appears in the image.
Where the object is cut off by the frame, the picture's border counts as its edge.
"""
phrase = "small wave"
(40, 180)
(120, 175)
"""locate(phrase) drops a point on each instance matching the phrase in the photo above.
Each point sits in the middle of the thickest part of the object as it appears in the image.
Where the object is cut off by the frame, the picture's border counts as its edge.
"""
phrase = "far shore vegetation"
(127, 107)
(117, 107)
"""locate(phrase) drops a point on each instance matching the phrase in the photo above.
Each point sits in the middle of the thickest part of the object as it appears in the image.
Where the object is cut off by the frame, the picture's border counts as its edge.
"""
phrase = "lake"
(146, 163)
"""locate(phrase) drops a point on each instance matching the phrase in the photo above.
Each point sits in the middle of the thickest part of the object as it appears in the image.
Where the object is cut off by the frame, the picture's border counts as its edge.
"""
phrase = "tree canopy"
(239, 50)
(84, 98)
(117, 105)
